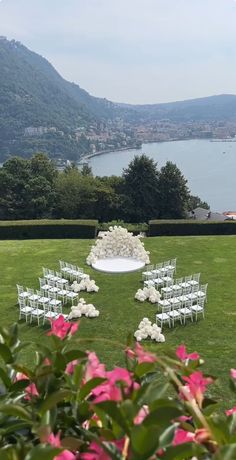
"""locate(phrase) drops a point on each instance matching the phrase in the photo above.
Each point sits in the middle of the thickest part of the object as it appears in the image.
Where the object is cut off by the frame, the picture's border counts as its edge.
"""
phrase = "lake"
(209, 167)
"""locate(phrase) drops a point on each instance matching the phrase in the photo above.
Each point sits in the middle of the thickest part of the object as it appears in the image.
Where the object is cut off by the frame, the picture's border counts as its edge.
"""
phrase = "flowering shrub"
(118, 242)
(68, 406)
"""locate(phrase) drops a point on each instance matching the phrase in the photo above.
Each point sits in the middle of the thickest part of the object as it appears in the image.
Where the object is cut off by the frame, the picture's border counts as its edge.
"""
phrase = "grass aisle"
(214, 338)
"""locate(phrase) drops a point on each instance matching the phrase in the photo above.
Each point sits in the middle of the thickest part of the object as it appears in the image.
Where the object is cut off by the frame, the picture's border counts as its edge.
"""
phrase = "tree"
(141, 189)
(174, 193)
(196, 202)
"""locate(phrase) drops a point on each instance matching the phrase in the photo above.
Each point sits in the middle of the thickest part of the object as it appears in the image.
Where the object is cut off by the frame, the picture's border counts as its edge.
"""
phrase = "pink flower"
(144, 356)
(182, 436)
(182, 354)
(61, 328)
(96, 451)
(144, 411)
(94, 368)
(196, 386)
(201, 436)
(30, 390)
(55, 441)
(231, 411)
(233, 373)
(71, 366)
(109, 390)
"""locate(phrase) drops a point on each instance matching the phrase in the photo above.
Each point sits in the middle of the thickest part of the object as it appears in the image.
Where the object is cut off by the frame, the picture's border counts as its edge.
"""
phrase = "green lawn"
(213, 338)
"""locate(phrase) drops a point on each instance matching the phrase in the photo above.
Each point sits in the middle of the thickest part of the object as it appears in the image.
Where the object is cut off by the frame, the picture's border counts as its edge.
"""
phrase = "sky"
(134, 51)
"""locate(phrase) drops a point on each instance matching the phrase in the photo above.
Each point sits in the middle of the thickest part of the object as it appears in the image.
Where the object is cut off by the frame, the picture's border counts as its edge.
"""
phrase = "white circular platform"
(118, 265)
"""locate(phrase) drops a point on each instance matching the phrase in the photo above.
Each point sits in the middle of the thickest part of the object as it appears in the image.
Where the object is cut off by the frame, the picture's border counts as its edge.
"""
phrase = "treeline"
(35, 189)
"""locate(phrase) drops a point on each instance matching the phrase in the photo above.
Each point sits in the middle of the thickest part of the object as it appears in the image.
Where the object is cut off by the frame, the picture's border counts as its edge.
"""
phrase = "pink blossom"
(182, 436)
(30, 390)
(233, 373)
(71, 366)
(62, 328)
(231, 411)
(94, 368)
(109, 390)
(196, 385)
(144, 356)
(96, 451)
(182, 354)
(201, 436)
(55, 441)
(144, 411)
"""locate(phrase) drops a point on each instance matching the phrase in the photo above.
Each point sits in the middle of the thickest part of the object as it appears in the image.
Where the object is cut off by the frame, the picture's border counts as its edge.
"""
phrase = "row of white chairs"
(72, 272)
(43, 308)
(160, 281)
(179, 283)
(180, 311)
(47, 291)
(160, 269)
(193, 295)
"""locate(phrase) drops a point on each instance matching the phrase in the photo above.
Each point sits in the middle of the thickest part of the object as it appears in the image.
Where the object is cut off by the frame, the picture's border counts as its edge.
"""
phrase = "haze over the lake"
(136, 51)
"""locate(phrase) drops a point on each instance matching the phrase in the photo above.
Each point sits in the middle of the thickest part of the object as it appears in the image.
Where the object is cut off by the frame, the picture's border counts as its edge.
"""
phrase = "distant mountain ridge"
(33, 94)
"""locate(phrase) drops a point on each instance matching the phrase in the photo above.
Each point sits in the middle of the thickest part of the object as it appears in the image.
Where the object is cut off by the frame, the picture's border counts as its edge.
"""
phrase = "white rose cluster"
(118, 242)
(148, 293)
(85, 285)
(83, 308)
(146, 329)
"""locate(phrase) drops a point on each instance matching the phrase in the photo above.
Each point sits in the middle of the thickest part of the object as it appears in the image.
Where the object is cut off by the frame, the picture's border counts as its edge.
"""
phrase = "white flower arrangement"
(85, 285)
(83, 308)
(118, 242)
(148, 293)
(147, 329)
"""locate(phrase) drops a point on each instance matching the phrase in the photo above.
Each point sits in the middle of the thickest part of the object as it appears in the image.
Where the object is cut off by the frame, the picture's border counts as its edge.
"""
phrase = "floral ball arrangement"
(85, 284)
(118, 242)
(146, 329)
(148, 293)
(83, 308)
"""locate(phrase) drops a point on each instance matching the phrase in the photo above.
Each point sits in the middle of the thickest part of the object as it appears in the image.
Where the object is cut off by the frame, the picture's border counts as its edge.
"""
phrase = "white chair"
(168, 278)
(158, 282)
(163, 304)
(72, 295)
(36, 313)
(157, 270)
(175, 314)
(53, 288)
(193, 294)
(21, 293)
(53, 301)
(24, 310)
(63, 291)
(149, 280)
(32, 296)
(44, 285)
(186, 311)
(148, 271)
(199, 308)
(195, 279)
(42, 300)
(202, 292)
(172, 265)
(163, 317)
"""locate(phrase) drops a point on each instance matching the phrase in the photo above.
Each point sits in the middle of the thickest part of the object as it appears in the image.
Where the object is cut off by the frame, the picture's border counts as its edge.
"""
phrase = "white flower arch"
(118, 242)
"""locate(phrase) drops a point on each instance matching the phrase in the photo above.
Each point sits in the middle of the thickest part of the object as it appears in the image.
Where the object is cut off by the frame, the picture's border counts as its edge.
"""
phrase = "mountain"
(41, 111)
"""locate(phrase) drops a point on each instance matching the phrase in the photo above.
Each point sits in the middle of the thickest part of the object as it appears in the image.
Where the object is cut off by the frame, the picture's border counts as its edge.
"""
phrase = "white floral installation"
(83, 308)
(118, 242)
(146, 329)
(148, 293)
(85, 285)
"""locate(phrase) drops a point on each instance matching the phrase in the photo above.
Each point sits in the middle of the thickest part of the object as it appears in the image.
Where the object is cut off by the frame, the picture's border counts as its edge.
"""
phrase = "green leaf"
(150, 392)
(71, 355)
(144, 441)
(226, 452)
(6, 354)
(184, 451)
(53, 399)
(43, 453)
(110, 408)
(167, 436)
(162, 416)
(5, 379)
(89, 386)
(16, 410)
(144, 368)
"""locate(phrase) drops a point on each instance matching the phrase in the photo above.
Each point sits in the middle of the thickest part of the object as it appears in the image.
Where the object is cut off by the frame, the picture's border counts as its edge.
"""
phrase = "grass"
(213, 338)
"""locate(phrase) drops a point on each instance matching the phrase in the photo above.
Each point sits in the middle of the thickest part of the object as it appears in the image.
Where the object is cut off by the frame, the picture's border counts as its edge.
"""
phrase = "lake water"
(209, 167)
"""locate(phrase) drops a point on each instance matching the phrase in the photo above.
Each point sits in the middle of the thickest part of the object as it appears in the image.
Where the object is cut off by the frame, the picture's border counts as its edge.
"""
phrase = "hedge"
(186, 227)
(49, 229)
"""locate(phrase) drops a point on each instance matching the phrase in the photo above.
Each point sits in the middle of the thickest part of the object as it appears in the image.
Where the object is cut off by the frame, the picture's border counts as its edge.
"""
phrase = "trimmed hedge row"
(47, 229)
(186, 227)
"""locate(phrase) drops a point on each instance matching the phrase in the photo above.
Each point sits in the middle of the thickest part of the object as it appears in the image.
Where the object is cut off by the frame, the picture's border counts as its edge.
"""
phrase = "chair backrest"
(203, 288)
(51, 283)
(195, 288)
(80, 270)
(62, 264)
(21, 302)
(196, 277)
(42, 282)
(188, 278)
(38, 293)
(51, 272)
(52, 295)
(170, 272)
(188, 304)
(178, 280)
(167, 295)
(45, 271)
(158, 266)
(30, 291)
(201, 302)
(33, 304)
(60, 285)
(19, 289)
(166, 263)
(173, 262)
(169, 283)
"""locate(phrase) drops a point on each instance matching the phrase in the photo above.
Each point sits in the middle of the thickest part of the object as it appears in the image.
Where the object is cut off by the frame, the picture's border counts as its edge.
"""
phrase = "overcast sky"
(136, 51)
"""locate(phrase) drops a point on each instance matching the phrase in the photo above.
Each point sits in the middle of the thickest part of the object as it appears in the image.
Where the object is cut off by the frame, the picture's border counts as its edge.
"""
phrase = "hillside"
(41, 111)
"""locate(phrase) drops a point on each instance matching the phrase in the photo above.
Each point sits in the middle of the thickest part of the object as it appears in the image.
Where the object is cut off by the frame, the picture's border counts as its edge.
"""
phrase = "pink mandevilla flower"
(144, 356)
(30, 390)
(231, 411)
(55, 441)
(182, 436)
(233, 373)
(61, 328)
(196, 386)
(96, 452)
(141, 415)
(109, 389)
(94, 368)
(182, 354)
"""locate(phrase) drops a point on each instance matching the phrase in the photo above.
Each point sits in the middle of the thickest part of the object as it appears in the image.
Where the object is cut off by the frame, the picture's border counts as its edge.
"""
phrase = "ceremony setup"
(117, 252)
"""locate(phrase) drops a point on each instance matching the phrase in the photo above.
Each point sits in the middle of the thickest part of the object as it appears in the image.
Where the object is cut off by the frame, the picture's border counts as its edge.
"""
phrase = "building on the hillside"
(206, 214)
